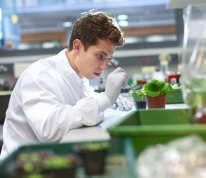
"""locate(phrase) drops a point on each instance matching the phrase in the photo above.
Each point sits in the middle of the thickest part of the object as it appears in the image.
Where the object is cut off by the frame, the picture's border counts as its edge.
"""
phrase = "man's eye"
(100, 56)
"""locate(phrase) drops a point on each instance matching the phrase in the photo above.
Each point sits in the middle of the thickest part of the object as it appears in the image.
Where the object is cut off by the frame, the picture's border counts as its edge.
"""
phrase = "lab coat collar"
(68, 71)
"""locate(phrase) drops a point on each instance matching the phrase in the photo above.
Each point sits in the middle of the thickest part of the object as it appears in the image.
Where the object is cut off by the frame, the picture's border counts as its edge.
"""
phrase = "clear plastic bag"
(177, 159)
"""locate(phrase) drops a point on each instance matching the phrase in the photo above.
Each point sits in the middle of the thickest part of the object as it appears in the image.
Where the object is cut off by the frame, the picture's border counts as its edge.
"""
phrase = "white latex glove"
(114, 83)
(123, 103)
(113, 86)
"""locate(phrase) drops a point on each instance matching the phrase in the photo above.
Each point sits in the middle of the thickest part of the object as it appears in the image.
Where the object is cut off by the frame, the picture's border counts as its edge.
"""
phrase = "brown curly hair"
(94, 26)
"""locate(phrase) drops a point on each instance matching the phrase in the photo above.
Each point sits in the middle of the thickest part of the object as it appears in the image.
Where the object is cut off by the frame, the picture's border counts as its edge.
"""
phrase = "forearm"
(52, 122)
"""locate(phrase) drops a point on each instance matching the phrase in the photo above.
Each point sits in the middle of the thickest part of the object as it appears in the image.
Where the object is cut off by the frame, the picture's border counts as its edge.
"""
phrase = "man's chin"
(91, 77)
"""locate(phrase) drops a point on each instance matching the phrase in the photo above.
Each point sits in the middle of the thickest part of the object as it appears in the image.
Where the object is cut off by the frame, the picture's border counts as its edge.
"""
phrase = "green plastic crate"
(163, 116)
(117, 148)
(157, 126)
(156, 117)
(174, 97)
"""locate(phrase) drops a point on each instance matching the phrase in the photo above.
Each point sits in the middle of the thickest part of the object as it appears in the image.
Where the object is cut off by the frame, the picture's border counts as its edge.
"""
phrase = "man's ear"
(77, 44)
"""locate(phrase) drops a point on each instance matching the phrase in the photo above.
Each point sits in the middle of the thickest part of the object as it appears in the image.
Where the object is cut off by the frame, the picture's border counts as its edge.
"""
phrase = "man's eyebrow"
(102, 52)
(105, 54)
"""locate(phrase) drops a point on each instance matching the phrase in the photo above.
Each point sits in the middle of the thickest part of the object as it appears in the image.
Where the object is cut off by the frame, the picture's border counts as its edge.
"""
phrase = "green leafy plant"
(23, 157)
(57, 162)
(155, 88)
(138, 95)
(28, 167)
(33, 157)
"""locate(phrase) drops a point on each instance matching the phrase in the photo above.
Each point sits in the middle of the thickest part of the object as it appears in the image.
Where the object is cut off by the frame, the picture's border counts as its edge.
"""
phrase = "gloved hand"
(114, 82)
(123, 103)
(112, 89)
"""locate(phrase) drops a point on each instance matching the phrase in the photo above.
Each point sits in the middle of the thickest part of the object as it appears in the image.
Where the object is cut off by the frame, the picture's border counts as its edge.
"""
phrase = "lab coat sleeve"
(48, 117)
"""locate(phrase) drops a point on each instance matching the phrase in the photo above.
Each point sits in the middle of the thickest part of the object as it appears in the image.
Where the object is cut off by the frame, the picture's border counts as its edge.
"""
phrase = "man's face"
(92, 62)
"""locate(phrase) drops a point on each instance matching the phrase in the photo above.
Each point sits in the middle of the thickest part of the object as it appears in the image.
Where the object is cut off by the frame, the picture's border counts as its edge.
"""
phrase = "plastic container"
(116, 164)
(174, 97)
(149, 127)
(139, 99)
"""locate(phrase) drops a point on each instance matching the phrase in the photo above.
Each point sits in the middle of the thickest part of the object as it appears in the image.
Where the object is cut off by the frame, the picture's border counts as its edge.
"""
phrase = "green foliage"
(23, 156)
(57, 162)
(156, 88)
(28, 167)
(34, 157)
(138, 95)
(96, 146)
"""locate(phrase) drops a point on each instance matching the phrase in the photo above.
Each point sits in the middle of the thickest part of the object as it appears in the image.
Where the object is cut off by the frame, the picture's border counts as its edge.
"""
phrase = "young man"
(52, 96)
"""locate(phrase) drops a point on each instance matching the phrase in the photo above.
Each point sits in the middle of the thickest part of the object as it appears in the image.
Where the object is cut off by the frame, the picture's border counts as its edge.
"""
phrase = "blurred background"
(154, 32)
(34, 29)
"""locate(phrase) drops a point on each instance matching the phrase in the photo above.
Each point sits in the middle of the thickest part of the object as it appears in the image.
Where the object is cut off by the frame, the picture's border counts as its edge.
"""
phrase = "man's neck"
(71, 59)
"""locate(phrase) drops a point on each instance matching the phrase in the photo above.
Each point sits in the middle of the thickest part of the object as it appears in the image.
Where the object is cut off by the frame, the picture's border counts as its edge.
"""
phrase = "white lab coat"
(49, 99)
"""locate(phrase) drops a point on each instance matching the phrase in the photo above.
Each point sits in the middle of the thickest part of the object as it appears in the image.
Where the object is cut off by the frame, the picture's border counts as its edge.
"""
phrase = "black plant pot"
(140, 104)
(60, 173)
(94, 161)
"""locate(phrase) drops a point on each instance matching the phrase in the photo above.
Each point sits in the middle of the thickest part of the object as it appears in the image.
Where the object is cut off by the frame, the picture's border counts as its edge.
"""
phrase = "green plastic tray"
(157, 126)
(155, 117)
(117, 149)
(174, 97)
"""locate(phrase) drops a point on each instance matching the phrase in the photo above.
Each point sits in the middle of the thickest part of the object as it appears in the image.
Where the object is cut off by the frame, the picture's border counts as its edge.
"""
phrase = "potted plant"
(139, 98)
(93, 156)
(155, 92)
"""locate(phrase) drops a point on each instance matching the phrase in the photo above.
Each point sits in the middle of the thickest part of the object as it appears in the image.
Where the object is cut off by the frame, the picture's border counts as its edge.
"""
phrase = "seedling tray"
(116, 165)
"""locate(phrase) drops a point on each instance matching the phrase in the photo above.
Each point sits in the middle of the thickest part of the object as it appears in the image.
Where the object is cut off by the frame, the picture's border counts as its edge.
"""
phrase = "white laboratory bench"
(99, 132)
(96, 133)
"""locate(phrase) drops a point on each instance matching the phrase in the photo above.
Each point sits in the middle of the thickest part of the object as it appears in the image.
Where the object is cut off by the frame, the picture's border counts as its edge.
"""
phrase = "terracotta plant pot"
(198, 116)
(201, 119)
(156, 102)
